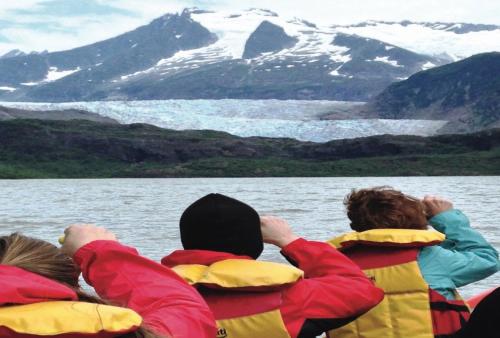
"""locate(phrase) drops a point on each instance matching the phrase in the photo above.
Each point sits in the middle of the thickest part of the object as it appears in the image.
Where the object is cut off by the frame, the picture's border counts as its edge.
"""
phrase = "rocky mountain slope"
(91, 70)
(35, 148)
(466, 93)
(7, 113)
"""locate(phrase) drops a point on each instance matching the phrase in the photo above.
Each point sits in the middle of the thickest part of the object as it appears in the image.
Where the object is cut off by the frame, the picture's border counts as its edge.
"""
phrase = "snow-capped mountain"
(252, 54)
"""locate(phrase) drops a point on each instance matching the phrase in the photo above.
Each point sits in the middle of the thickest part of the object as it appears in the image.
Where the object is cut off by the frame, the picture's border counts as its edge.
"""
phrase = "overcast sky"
(62, 24)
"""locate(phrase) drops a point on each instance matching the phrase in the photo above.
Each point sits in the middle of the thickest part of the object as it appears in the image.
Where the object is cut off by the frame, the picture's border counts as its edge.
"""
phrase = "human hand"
(276, 231)
(434, 205)
(78, 235)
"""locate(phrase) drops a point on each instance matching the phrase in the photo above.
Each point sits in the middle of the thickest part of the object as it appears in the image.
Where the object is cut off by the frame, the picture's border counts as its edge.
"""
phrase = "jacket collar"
(202, 257)
(404, 238)
(18, 286)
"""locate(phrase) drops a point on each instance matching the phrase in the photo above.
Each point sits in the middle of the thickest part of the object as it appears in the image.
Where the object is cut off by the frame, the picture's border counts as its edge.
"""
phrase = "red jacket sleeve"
(334, 292)
(168, 305)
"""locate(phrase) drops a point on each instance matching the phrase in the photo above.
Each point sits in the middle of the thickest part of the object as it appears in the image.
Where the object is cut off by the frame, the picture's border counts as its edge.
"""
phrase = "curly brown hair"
(382, 208)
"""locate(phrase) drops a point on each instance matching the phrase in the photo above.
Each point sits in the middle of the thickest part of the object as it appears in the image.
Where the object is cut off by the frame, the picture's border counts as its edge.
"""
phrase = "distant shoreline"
(86, 149)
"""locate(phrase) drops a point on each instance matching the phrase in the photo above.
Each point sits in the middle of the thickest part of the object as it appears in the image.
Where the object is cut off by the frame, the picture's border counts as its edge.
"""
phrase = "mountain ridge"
(456, 27)
(7, 113)
(104, 59)
(467, 93)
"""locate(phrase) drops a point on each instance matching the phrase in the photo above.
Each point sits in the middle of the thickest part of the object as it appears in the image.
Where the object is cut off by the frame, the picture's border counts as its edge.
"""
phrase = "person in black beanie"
(220, 223)
(222, 238)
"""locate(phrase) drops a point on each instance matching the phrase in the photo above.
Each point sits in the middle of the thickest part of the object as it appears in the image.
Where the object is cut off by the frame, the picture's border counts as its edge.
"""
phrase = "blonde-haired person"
(40, 293)
(418, 269)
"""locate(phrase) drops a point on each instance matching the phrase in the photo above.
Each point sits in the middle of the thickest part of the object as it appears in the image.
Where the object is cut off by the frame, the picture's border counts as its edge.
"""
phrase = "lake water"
(145, 212)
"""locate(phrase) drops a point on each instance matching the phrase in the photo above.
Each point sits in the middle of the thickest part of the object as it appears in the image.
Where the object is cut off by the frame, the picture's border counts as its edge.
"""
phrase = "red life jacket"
(244, 295)
(35, 306)
(411, 308)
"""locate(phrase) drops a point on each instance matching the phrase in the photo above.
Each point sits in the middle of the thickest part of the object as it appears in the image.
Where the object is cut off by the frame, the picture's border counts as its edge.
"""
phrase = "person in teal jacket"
(445, 263)
(463, 258)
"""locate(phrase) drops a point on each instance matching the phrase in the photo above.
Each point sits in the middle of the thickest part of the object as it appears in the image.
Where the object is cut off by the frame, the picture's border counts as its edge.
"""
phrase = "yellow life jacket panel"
(409, 309)
(243, 295)
(67, 318)
(389, 237)
(240, 273)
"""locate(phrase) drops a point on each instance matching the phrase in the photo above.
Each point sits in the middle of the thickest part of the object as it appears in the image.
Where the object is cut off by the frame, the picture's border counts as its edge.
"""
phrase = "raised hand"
(78, 235)
(435, 205)
(276, 231)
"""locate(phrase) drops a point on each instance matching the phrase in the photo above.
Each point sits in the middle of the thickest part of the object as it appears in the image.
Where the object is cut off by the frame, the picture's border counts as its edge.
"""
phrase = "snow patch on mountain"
(385, 59)
(335, 72)
(233, 31)
(55, 74)
(268, 118)
(428, 65)
(6, 88)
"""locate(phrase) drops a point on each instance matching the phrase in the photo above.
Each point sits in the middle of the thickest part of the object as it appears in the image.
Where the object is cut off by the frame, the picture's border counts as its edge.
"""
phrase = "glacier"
(428, 38)
(301, 120)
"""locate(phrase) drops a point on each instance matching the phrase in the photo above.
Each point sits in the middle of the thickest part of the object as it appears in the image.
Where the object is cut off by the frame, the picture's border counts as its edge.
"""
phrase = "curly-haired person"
(419, 269)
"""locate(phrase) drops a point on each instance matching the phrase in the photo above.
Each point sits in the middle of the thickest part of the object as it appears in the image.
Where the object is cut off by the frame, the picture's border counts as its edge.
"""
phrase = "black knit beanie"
(220, 223)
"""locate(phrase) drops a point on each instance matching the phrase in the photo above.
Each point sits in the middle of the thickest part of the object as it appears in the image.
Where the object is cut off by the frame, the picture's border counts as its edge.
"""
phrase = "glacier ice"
(268, 118)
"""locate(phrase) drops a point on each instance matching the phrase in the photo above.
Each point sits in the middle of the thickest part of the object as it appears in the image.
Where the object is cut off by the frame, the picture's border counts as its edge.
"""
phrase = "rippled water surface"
(145, 212)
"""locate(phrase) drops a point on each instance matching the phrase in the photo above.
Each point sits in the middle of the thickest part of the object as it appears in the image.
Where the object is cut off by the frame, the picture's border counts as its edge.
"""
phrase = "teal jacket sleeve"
(465, 256)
